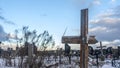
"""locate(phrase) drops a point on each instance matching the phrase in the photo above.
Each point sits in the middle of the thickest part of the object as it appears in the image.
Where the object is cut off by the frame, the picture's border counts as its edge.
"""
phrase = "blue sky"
(51, 15)
(54, 15)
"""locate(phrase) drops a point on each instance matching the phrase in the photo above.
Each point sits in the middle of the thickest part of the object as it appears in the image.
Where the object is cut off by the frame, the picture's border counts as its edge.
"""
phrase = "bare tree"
(31, 43)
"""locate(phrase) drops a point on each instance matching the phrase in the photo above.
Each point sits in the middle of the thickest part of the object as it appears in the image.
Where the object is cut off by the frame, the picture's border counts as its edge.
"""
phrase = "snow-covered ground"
(107, 66)
(55, 63)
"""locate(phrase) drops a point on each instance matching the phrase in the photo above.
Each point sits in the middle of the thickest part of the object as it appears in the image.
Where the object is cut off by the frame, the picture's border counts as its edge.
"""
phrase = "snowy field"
(51, 62)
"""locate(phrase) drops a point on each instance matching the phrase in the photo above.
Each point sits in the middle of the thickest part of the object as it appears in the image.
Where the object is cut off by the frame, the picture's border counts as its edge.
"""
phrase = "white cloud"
(113, 43)
(105, 25)
(94, 21)
(105, 14)
(110, 20)
(113, 0)
(97, 28)
(96, 2)
(106, 20)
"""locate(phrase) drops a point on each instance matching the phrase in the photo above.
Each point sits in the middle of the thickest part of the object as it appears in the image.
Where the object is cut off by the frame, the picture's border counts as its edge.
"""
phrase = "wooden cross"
(83, 39)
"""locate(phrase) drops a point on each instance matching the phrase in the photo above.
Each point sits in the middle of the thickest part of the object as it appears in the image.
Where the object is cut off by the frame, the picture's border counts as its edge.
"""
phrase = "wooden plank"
(84, 58)
(84, 39)
(77, 40)
(71, 39)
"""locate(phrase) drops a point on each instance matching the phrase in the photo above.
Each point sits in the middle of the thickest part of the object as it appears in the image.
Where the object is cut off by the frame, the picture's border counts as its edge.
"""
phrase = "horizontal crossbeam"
(77, 39)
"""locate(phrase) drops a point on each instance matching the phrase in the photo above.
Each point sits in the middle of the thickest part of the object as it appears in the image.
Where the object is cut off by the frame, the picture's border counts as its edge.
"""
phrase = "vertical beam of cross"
(84, 43)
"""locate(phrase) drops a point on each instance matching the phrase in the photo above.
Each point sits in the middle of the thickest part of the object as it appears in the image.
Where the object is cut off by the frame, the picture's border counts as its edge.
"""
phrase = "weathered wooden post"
(83, 39)
(84, 36)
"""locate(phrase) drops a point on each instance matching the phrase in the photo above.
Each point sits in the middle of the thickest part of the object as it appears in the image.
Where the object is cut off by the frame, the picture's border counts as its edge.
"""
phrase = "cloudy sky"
(105, 24)
(57, 15)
